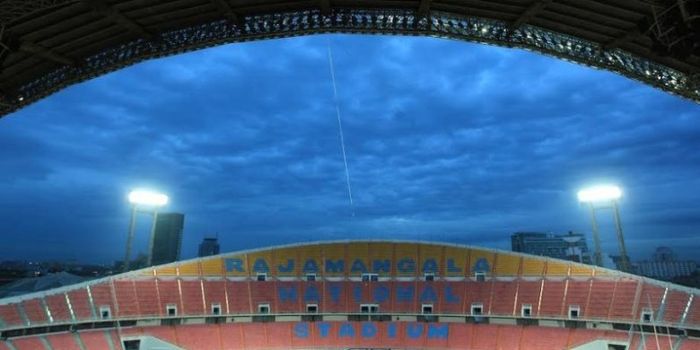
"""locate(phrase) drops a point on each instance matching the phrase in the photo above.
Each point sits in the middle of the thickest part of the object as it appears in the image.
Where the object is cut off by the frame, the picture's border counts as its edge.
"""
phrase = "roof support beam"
(227, 11)
(424, 8)
(529, 13)
(45, 53)
(99, 7)
(614, 43)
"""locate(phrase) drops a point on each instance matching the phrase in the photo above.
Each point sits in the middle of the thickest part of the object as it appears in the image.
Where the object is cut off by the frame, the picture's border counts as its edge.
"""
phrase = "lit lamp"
(149, 202)
(600, 197)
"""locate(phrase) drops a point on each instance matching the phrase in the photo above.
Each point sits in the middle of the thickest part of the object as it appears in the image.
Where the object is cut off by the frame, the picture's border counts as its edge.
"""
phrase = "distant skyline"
(445, 141)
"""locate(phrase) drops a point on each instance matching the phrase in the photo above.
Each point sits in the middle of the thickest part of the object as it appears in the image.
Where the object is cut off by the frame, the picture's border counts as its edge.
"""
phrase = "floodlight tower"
(149, 202)
(602, 197)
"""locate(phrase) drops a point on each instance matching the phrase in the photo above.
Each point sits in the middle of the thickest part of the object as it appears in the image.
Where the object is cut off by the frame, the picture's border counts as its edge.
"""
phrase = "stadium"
(359, 294)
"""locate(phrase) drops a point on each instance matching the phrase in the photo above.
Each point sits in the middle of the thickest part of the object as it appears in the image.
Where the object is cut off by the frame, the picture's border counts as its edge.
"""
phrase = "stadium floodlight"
(149, 198)
(607, 196)
(143, 198)
(604, 193)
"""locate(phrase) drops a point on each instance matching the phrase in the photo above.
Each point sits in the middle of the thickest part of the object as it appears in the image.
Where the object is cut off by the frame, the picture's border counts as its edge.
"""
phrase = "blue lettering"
(260, 265)
(358, 266)
(337, 266)
(481, 265)
(449, 296)
(311, 294)
(380, 294)
(451, 267)
(381, 265)
(430, 265)
(324, 328)
(286, 268)
(346, 331)
(234, 265)
(404, 293)
(406, 265)
(414, 330)
(438, 331)
(369, 330)
(357, 293)
(287, 293)
(428, 294)
(301, 330)
(335, 293)
(391, 329)
(310, 266)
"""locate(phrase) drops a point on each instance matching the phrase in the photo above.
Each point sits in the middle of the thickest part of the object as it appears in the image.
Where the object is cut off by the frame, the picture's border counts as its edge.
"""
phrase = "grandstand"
(359, 294)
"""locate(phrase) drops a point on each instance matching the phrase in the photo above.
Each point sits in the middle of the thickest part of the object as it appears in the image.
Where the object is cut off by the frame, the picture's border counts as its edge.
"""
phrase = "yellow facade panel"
(532, 267)
(406, 258)
(189, 269)
(557, 269)
(481, 261)
(286, 262)
(456, 261)
(507, 265)
(381, 256)
(430, 259)
(334, 262)
(358, 258)
(581, 270)
(166, 271)
(310, 259)
(236, 265)
(212, 267)
(260, 262)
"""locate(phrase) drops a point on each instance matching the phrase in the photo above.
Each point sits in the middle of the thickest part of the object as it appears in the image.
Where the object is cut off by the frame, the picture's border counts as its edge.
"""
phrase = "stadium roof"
(36, 284)
(46, 45)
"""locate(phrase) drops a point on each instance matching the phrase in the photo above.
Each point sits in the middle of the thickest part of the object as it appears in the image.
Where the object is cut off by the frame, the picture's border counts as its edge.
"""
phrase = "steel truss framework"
(367, 21)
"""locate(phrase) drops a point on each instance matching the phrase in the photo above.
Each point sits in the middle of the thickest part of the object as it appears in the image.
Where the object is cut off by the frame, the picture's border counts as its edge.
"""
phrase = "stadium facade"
(366, 294)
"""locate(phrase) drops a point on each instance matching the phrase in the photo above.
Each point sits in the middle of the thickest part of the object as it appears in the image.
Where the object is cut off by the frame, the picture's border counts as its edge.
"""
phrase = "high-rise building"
(209, 246)
(571, 246)
(665, 266)
(168, 238)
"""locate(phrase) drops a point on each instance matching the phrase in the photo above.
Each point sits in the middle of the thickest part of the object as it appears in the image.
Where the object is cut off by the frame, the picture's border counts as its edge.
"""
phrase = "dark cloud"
(445, 141)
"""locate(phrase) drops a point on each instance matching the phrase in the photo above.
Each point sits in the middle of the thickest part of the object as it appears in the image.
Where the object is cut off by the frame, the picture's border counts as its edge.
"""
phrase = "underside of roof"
(46, 45)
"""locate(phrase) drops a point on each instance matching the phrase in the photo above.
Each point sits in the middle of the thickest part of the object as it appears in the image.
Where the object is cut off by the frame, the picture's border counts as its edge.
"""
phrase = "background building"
(168, 238)
(571, 246)
(209, 246)
(665, 266)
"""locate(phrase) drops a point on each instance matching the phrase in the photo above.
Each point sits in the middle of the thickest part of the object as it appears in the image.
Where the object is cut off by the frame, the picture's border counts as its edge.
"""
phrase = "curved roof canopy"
(46, 45)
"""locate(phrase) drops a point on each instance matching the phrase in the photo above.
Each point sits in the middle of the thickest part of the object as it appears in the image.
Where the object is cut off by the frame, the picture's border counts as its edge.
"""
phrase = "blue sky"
(445, 140)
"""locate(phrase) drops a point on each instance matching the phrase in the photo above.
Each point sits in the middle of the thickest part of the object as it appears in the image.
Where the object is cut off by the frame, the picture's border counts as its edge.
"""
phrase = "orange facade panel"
(431, 259)
(288, 263)
(334, 262)
(189, 269)
(481, 261)
(357, 258)
(170, 270)
(381, 256)
(557, 269)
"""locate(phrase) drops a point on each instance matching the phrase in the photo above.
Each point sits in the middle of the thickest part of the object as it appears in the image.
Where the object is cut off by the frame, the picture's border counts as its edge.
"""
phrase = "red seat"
(192, 298)
(9, 315)
(58, 307)
(63, 341)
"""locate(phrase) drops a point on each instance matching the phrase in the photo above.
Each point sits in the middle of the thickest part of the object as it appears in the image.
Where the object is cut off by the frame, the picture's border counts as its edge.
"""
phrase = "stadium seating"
(503, 298)
(63, 341)
(127, 300)
(676, 303)
(694, 312)
(29, 343)
(80, 304)
(35, 311)
(9, 314)
(602, 292)
(238, 297)
(577, 293)
(192, 298)
(95, 340)
(147, 296)
(58, 307)
(624, 299)
(169, 295)
(215, 293)
(102, 297)
(552, 299)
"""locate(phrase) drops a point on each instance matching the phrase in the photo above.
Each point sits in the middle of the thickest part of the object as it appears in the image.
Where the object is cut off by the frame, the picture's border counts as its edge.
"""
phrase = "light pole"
(149, 202)
(601, 197)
